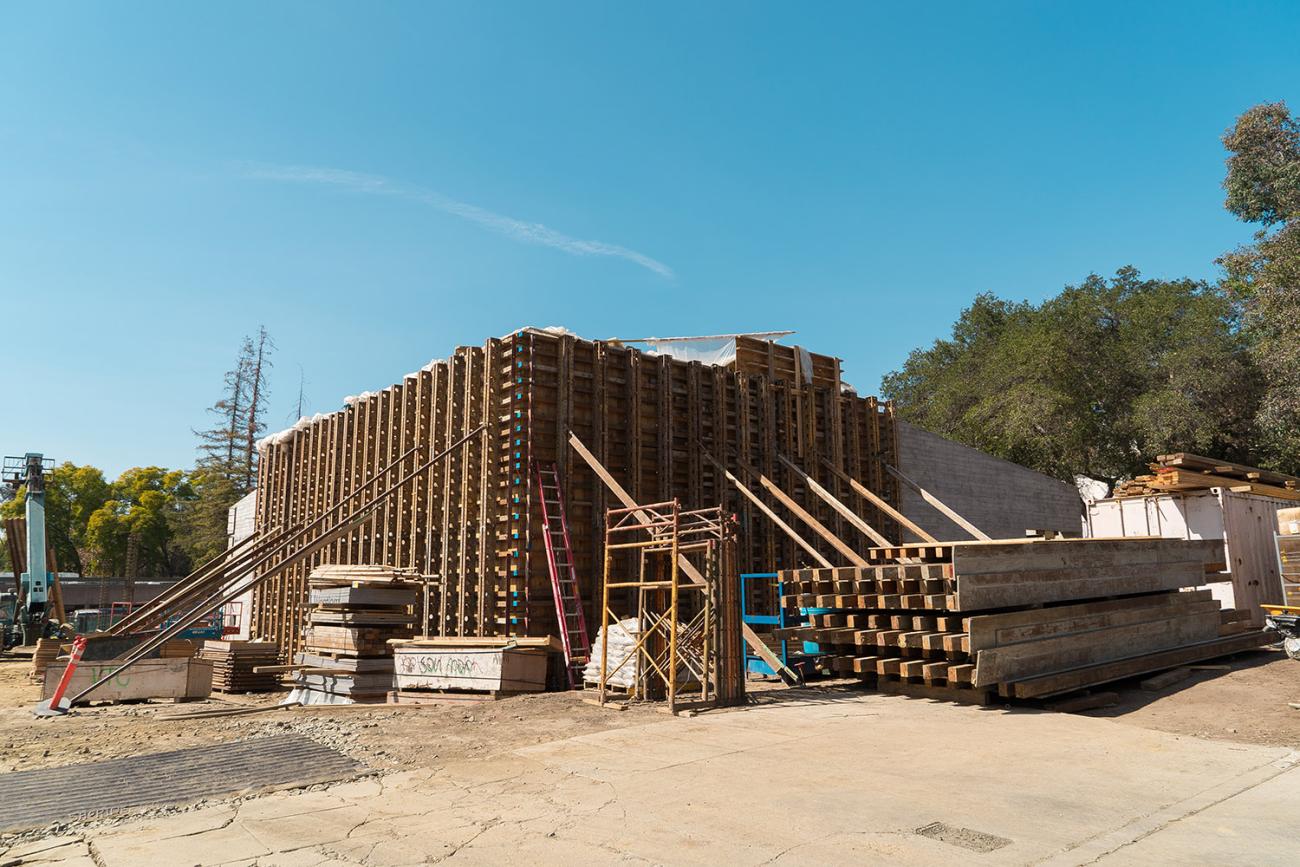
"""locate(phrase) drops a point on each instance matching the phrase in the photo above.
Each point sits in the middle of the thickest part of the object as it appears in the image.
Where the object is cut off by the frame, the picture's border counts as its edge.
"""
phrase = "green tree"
(200, 523)
(142, 505)
(1263, 186)
(72, 494)
(227, 466)
(1094, 381)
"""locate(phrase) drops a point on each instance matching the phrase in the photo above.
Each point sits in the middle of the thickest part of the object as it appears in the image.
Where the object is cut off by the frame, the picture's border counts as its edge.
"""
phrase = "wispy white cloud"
(520, 230)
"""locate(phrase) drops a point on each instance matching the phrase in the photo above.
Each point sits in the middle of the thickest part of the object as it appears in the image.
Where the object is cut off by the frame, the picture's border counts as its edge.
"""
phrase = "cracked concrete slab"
(848, 781)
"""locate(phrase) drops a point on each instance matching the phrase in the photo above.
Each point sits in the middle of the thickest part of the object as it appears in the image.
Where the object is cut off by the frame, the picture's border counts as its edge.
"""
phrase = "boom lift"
(32, 607)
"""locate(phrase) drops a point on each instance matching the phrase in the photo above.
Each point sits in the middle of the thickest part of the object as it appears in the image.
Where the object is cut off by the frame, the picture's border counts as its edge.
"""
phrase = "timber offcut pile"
(1183, 471)
(46, 652)
(233, 663)
(1017, 618)
(354, 611)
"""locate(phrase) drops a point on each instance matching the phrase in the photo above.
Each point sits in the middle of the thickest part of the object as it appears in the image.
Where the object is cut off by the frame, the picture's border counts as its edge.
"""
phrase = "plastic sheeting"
(718, 351)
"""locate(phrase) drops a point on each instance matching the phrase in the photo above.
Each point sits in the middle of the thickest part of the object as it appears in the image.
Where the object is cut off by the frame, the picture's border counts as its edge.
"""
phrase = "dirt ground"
(383, 736)
(1248, 703)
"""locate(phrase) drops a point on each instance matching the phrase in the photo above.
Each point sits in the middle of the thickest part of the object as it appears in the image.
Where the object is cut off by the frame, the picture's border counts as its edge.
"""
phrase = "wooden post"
(775, 518)
(934, 501)
(866, 494)
(849, 515)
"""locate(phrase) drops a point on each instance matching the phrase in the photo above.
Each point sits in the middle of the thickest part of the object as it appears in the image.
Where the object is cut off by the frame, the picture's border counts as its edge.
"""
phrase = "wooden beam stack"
(1016, 618)
(354, 611)
(233, 663)
(474, 521)
(1183, 471)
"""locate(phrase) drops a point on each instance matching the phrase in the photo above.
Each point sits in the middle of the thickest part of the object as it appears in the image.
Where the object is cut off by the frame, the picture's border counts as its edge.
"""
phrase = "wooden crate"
(477, 669)
(148, 678)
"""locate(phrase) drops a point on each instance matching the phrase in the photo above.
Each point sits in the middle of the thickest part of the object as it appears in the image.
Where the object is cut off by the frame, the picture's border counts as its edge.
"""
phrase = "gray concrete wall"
(1001, 498)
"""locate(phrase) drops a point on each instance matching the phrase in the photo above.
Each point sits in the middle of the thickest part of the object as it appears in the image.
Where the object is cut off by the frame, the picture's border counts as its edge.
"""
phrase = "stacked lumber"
(46, 652)
(233, 663)
(353, 613)
(1017, 618)
(178, 648)
(1183, 471)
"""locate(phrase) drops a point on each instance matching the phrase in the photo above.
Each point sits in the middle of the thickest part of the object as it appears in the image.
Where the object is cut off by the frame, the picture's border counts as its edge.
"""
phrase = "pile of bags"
(622, 640)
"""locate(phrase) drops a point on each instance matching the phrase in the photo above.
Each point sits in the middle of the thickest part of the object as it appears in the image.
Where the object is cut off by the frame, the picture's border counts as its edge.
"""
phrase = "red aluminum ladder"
(564, 578)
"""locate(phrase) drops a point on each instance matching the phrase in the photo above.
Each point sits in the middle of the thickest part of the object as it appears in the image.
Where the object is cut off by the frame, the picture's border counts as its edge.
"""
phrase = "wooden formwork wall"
(473, 520)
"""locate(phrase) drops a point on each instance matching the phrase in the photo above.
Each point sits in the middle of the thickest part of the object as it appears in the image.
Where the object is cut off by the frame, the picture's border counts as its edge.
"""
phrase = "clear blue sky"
(380, 182)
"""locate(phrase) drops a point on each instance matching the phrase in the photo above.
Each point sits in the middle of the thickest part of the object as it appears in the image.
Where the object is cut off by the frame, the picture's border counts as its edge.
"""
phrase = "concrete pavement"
(836, 779)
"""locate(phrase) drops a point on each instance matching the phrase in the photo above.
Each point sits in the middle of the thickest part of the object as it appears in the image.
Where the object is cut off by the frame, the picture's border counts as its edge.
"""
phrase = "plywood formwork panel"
(472, 521)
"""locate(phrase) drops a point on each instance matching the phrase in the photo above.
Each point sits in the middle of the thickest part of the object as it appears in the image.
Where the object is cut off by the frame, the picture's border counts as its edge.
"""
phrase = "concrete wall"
(1001, 498)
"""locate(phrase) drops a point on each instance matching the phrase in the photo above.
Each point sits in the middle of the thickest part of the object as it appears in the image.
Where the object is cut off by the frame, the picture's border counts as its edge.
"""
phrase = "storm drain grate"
(90, 791)
(964, 837)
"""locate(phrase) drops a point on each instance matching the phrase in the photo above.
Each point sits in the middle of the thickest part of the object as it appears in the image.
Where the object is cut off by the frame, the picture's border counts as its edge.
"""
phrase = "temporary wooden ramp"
(657, 423)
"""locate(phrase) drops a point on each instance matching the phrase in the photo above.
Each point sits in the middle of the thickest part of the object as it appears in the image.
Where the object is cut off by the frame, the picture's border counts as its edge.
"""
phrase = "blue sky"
(379, 183)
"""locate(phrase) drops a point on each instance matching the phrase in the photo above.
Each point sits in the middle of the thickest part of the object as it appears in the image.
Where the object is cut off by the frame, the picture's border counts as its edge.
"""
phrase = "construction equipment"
(36, 585)
(572, 624)
(1285, 620)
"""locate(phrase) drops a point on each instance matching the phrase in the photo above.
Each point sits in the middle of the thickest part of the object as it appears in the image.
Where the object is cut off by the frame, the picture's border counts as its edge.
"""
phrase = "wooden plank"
(1002, 555)
(1012, 588)
(849, 515)
(993, 630)
(1036, 658)
(1082, 703)
(1093, 675)
(818, 527)
(1165, 679)
(877, 501)
(773, 516)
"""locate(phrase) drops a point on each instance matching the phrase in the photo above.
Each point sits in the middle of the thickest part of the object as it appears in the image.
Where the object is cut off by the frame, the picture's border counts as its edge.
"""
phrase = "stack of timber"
(1183, 471)
(474, 519)
(1017, 618)
(354, 612)
(233, 663)
(47, 651)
